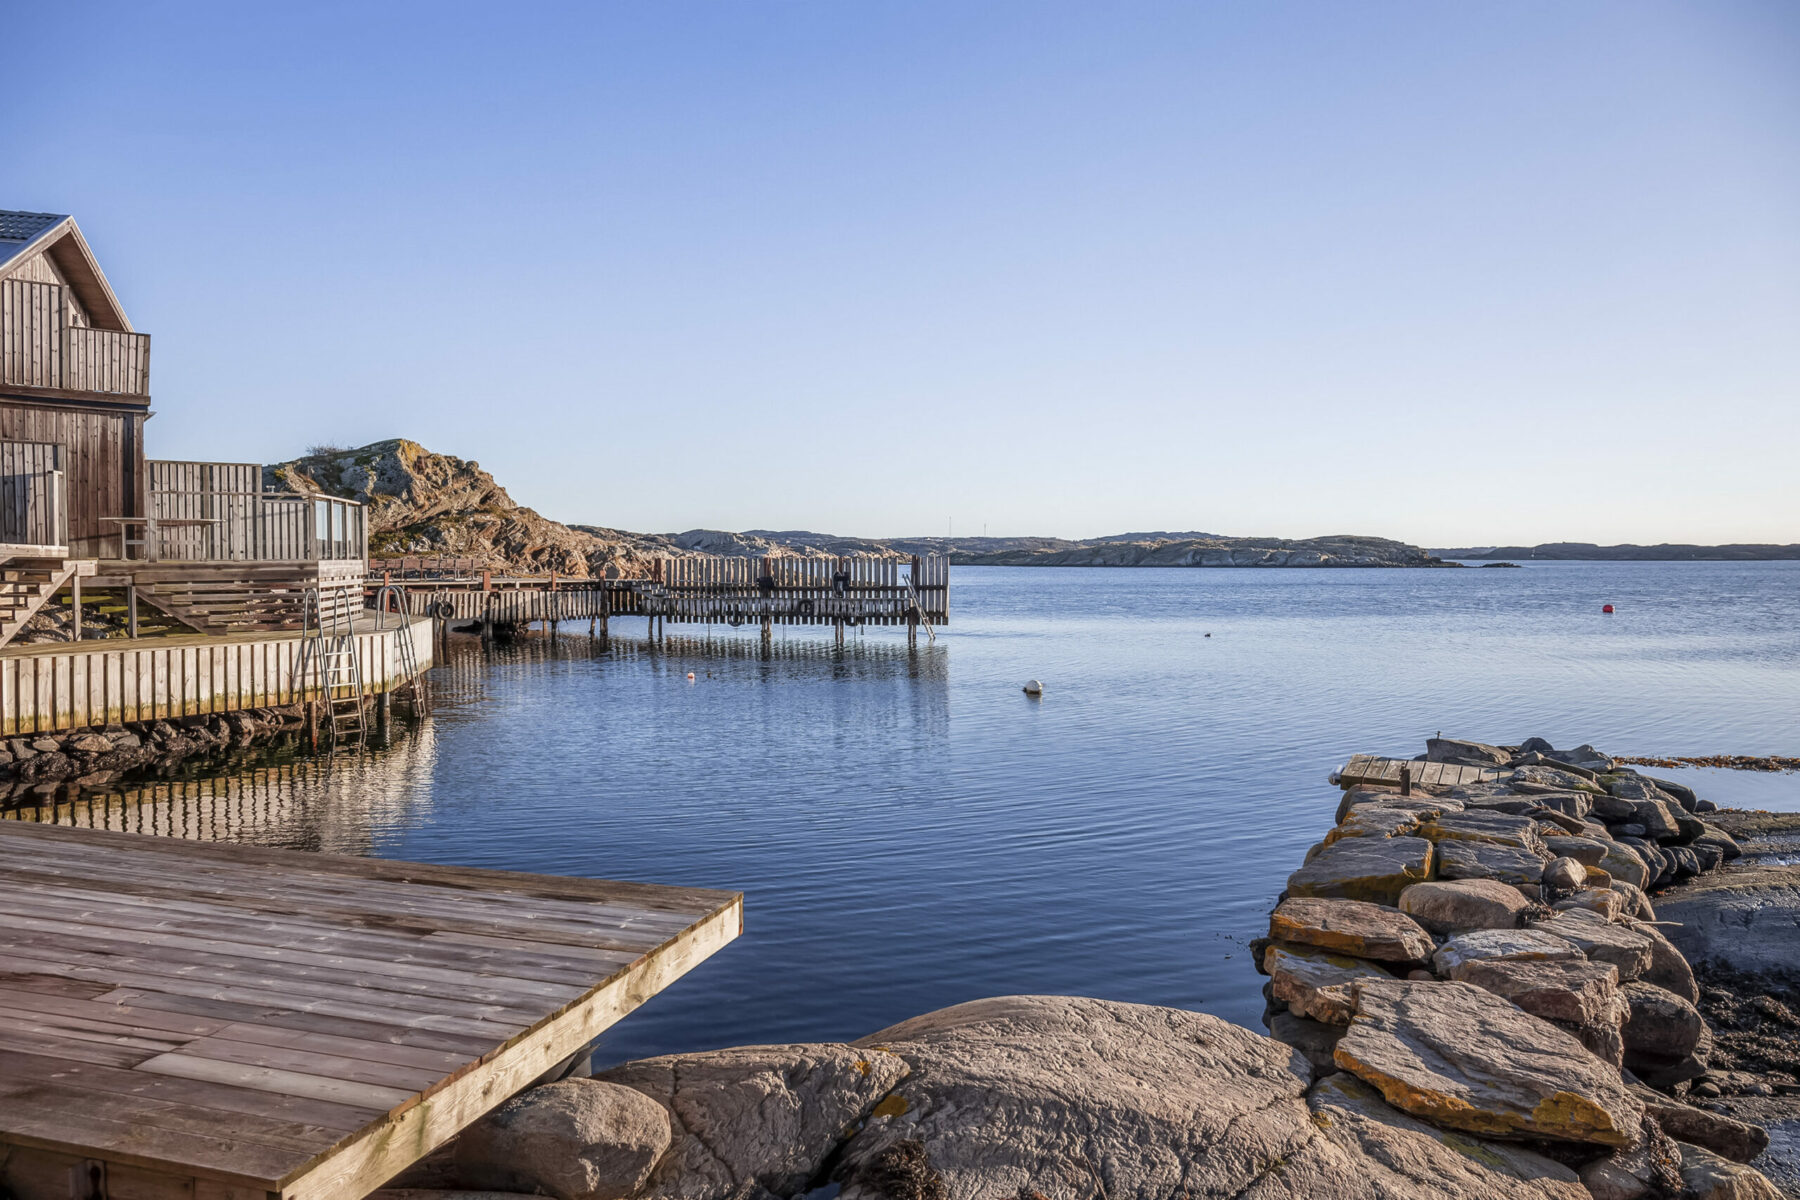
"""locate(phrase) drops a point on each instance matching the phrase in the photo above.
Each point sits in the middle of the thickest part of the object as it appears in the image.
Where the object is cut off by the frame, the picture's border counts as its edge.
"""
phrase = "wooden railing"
(218, 512)
(33, 500)
(41, 348)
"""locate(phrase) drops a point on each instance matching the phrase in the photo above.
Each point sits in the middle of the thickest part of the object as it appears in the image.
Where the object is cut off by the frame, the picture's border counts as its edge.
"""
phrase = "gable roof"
(24, 235)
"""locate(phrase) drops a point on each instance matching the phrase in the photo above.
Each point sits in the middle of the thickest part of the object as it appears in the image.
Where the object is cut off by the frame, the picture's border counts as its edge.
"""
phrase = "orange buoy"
(1606, 608)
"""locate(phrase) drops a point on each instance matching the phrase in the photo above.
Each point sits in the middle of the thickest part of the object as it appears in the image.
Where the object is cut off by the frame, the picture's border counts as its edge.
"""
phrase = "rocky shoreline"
(38, 768)
(1470, 991)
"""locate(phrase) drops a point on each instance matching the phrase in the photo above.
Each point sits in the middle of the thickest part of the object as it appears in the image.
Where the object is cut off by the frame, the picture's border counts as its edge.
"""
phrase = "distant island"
(1665, 552)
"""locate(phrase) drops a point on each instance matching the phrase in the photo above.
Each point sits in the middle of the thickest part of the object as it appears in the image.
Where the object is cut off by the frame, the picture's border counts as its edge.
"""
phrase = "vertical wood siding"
(61, 688)
(33, 500)
(99, 456)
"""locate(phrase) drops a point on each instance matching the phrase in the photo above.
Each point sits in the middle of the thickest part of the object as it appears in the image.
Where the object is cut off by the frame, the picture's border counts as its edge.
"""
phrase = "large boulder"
(1570, 992)
(1668, 967)
(1747, 919)
(1375, 820)
(1376, 870)
(1706, 1176)
(1505, 945)
(1502, 829)
(1588, 851)
(764, 1116)
(1465, 753)
(577, 1139)
(1601, 940)
(1624, 863)
(1314, 983)
(1662, 1032)
(1352, 927)
(1458, 859)
(1067, 1096)
(1546, 781)
(1449, 906)
(1463, 1058)
(1368, 1149)
(1724, 1135)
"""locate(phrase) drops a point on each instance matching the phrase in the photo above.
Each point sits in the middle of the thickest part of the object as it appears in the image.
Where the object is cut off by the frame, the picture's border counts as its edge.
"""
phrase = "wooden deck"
(1372, 768)
(220, 1022)
(54, 686)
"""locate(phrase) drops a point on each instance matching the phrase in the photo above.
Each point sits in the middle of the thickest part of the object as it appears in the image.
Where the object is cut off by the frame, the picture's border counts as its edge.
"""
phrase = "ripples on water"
(911, 830)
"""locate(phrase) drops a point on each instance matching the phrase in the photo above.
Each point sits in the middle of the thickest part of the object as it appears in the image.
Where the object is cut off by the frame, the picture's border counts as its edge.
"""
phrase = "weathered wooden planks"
(1370, 768)
(57, 686)
(211, 1019)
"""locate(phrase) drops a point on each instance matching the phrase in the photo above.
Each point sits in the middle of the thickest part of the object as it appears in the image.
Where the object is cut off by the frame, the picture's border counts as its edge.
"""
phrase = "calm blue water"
(911, 830)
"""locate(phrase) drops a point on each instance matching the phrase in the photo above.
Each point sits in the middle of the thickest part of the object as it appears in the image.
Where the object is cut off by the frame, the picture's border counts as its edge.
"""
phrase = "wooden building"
(80, 502)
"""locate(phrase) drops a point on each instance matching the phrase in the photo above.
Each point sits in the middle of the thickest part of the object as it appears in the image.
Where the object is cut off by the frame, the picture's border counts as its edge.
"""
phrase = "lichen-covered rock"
(1314, 983)
(1514, 945)
(1604, 903)
(765, 1116)
(1375, 820)
(1624, 863)
(1602, 940)
(1463, 1058)
(1068, 1096)
(1373, 869)
(1352, 927)
(1447, 906)
(1571, 992)
(1550, 780)
(1637, 902)
(576, 1140)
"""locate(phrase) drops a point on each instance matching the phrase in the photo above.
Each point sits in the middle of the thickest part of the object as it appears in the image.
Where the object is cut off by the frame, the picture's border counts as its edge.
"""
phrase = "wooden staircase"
(238, 597)
(27, 584)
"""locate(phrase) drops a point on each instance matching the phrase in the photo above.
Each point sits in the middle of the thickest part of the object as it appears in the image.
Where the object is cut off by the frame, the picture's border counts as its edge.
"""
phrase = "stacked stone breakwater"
(1488, 957)
(1470, 998)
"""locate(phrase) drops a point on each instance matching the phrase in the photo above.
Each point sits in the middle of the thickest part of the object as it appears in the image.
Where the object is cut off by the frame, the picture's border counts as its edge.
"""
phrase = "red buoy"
(1606, 608)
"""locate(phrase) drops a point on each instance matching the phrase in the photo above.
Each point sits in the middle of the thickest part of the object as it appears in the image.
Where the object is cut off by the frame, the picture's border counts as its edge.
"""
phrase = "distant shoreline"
(1590, 552)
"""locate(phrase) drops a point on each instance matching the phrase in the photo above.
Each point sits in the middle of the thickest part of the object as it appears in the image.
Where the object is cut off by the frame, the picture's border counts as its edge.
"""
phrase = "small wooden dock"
(1372, 768)
(765, 592)
(219, 1022)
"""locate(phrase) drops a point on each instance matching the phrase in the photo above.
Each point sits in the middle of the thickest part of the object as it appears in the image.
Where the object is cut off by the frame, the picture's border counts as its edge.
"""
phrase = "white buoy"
(1033, 688)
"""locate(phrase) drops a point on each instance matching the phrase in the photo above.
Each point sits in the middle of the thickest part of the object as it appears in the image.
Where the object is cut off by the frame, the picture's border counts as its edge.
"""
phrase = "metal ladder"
(416, 688)
(328, 651)
(919, 607)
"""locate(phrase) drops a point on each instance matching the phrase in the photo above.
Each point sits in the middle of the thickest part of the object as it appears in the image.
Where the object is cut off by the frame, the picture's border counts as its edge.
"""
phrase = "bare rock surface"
(756, 1115)
(1463, 1058)
(1464, 905)
(1352, 927)
(1376, 870)
(1706, 1176)
(1745, 918)
(1066, 1096)
(579, 1139)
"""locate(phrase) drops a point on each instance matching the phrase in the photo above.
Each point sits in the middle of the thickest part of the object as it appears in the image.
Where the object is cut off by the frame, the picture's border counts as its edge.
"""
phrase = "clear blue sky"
(1454, 273)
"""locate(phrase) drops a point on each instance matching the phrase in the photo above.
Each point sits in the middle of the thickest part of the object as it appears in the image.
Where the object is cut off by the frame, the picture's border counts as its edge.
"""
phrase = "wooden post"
(1406, 781)
(75, 602)
(312, 724)
(384, 708)
(131, 610)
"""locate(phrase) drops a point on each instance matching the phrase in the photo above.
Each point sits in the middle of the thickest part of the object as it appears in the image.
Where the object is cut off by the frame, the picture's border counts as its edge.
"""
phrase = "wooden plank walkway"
(1372, 768)
(221, 1022)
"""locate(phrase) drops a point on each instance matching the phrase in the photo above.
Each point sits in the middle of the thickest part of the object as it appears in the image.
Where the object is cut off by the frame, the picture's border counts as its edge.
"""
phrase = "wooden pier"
(1372, 768)
(57, 686)
(765, 592)
(190, 1021)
